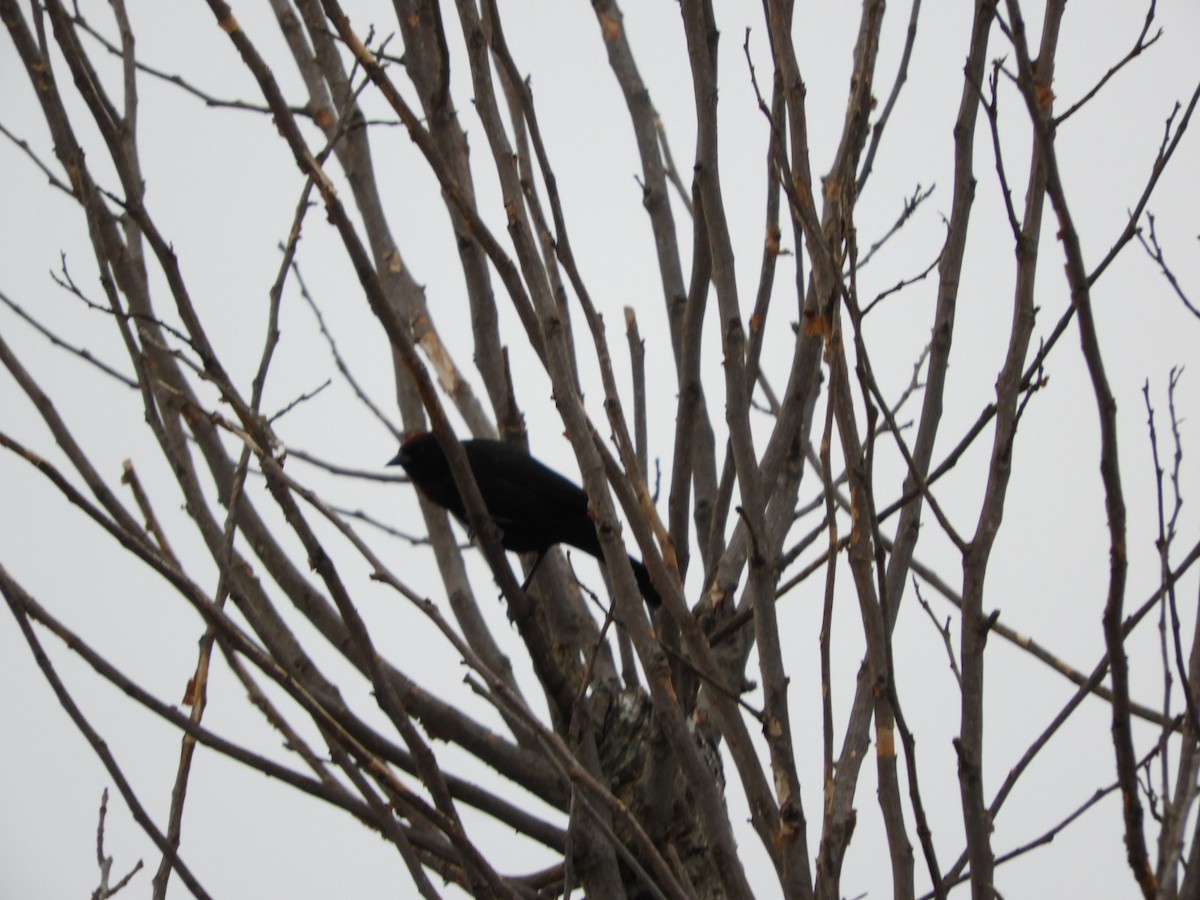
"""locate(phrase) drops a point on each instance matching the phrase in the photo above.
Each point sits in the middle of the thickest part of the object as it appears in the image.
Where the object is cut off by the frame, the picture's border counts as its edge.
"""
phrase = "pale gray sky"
(223, 188)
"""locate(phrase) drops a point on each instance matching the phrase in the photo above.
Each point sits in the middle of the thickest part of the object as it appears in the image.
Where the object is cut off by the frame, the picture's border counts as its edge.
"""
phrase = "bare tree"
(804, 455)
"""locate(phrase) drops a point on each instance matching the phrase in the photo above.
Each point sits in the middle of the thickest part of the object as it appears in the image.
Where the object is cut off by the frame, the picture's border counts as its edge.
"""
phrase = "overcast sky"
(223, 188)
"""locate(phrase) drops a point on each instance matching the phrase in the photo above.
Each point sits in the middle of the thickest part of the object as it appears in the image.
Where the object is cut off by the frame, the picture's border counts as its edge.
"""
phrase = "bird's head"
(419, 454)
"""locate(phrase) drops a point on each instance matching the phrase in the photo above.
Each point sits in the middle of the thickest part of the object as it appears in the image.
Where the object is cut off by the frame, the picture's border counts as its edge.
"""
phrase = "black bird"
(533, 506)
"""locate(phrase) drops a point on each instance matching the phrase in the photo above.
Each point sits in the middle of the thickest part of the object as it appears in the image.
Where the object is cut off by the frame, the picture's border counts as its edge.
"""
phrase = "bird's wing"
(531, 503)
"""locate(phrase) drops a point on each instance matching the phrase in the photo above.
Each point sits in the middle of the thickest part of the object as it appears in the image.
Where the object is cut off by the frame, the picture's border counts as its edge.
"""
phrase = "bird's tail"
(642, 575)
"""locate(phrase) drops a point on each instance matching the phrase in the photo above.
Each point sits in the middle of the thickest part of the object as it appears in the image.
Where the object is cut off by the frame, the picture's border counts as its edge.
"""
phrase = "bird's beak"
(399, 459)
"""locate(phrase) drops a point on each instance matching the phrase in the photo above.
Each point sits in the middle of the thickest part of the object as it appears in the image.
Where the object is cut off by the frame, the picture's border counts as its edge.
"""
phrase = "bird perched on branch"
(533, 506)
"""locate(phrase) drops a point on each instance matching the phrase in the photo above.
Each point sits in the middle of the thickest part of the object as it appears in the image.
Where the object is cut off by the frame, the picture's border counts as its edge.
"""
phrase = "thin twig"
(1138, 46)
(82, 352)
(1154, 251)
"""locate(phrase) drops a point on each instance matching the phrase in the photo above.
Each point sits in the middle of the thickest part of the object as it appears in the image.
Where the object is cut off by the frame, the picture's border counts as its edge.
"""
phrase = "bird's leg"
(533, 569)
